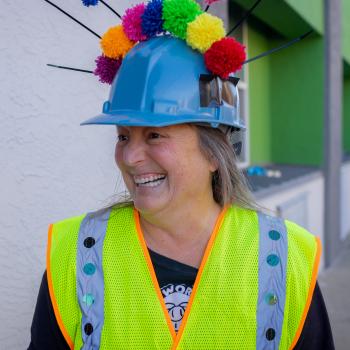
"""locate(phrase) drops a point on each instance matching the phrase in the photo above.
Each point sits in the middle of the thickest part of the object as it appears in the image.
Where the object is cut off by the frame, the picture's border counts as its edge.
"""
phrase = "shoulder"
(242, 216)
(64, 231)
(302, 241)
(297, 231)
(68, 222)
(72, 224)
(296, 235)
(254, 216)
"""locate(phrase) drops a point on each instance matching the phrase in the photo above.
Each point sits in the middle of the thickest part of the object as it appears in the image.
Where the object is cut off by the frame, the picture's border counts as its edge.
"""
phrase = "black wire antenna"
(109, 7)
(245, 16)
(69, 68)
(284, 46)
(242, 19)
(71, 17)
(276, 49)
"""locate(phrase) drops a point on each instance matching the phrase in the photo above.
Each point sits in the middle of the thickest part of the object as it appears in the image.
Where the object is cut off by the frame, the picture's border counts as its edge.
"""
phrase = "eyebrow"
(146, 128)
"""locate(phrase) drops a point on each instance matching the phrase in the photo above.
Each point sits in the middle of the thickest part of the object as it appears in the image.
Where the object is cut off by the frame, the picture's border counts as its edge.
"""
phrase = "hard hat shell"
(158, 85)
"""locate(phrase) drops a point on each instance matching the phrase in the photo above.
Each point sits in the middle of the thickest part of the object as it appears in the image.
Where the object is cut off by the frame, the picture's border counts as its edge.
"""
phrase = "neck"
(181, 234)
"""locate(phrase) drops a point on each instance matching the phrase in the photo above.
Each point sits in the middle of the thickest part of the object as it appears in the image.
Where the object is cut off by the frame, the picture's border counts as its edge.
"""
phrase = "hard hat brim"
(137, 118)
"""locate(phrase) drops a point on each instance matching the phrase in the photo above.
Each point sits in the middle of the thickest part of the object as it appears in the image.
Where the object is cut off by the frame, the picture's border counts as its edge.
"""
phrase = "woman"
(188, 262)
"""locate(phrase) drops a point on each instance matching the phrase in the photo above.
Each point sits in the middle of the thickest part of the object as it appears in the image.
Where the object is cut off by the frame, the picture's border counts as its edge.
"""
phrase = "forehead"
(178, 129)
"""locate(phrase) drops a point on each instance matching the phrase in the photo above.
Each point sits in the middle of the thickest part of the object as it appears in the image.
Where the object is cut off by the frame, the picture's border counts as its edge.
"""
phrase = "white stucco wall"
(51, 167)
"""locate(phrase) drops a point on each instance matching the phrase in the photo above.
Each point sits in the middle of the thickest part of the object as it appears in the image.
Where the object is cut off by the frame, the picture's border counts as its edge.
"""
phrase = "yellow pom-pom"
(203, 31)
(115, 44)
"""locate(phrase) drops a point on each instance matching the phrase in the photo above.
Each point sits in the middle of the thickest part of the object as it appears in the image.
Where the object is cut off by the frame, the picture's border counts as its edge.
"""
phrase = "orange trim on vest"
(153, 274)
(199, 275)
(311, 292)
(51, 292)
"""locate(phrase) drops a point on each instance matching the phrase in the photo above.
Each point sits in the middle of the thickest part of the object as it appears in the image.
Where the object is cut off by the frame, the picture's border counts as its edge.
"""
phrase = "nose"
(131, 154)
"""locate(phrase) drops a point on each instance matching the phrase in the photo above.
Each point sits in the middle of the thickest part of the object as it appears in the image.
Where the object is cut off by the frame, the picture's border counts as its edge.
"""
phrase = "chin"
(150, 206)
(146, 205)
(150, 200)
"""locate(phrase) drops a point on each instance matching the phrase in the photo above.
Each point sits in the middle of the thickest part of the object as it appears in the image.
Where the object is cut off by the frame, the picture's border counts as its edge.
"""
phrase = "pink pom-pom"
(106, 68)
(209, 2)
(132, 22)
(224, 57)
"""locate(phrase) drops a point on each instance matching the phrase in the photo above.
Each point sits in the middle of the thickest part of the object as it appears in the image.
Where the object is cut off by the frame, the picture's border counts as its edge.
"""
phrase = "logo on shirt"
(176, 297)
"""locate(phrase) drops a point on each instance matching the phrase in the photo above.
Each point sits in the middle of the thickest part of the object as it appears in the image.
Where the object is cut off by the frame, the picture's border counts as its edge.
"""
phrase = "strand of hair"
(71, 17)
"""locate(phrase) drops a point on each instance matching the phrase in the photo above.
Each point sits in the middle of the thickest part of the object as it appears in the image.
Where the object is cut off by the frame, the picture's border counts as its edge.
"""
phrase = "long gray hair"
(228, 182)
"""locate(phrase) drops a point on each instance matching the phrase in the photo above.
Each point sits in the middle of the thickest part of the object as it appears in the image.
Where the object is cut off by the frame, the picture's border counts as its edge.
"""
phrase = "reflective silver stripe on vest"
(90, 284)
(273, 247)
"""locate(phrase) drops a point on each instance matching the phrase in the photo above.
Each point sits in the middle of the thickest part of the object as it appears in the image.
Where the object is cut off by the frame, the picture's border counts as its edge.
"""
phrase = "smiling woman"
(169, 179)
(158, 172)
(179, 171)
(189, 262)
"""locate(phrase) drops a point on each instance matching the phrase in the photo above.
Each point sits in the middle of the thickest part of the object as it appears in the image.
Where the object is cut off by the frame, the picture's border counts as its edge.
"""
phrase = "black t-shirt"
(176, 281)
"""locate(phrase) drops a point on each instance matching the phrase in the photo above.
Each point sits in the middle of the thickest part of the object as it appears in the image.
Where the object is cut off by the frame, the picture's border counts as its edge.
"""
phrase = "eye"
(122, 138)
(154, 135)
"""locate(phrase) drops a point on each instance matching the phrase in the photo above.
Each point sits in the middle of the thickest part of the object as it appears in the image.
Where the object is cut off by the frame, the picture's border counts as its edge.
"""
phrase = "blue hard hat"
(163, 82)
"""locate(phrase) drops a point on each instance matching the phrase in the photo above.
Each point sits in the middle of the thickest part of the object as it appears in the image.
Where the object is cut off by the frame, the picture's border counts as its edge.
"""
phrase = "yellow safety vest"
(252, 291)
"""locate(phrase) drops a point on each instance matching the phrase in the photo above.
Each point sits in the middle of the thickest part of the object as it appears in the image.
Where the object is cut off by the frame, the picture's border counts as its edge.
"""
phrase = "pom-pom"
(152, 21)
(132, 22)
(177, 14)
(90, 2)
(204, 31)
(209, 2)
(224, 57)
(106, 68)
(115, 43)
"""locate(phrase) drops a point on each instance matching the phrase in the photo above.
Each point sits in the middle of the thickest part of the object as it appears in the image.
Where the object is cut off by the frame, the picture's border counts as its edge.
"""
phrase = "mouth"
(149, 180)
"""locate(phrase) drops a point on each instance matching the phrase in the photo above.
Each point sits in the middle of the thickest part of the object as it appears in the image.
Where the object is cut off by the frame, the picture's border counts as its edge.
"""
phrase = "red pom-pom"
(224, 57)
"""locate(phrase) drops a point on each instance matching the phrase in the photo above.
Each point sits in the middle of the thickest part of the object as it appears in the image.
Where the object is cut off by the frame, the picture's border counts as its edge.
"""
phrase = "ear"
(213, 164)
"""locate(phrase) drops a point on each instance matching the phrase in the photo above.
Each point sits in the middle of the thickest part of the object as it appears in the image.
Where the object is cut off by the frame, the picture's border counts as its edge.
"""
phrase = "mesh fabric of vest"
(302, 250)
(61, 273)
(133, 311)
(223, 312)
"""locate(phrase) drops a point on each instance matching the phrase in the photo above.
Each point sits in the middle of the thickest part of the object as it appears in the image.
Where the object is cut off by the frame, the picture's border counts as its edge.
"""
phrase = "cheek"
(199, 170)
(117, 156)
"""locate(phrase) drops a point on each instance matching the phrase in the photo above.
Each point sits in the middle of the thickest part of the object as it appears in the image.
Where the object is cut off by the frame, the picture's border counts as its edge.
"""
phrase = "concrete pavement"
(335, 286)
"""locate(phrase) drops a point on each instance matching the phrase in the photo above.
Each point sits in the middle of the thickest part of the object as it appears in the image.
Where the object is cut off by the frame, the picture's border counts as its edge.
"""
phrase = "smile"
(149, 181)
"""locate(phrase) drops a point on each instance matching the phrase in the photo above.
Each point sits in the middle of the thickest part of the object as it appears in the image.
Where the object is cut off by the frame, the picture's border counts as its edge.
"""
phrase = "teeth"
(151, 184)
(150, 181)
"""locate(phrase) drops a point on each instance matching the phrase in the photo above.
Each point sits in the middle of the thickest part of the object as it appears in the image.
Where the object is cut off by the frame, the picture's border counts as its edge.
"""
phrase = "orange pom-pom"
(115, 44)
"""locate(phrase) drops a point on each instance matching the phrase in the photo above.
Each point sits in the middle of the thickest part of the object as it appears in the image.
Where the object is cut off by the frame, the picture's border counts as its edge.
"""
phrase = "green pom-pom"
(177, 14)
